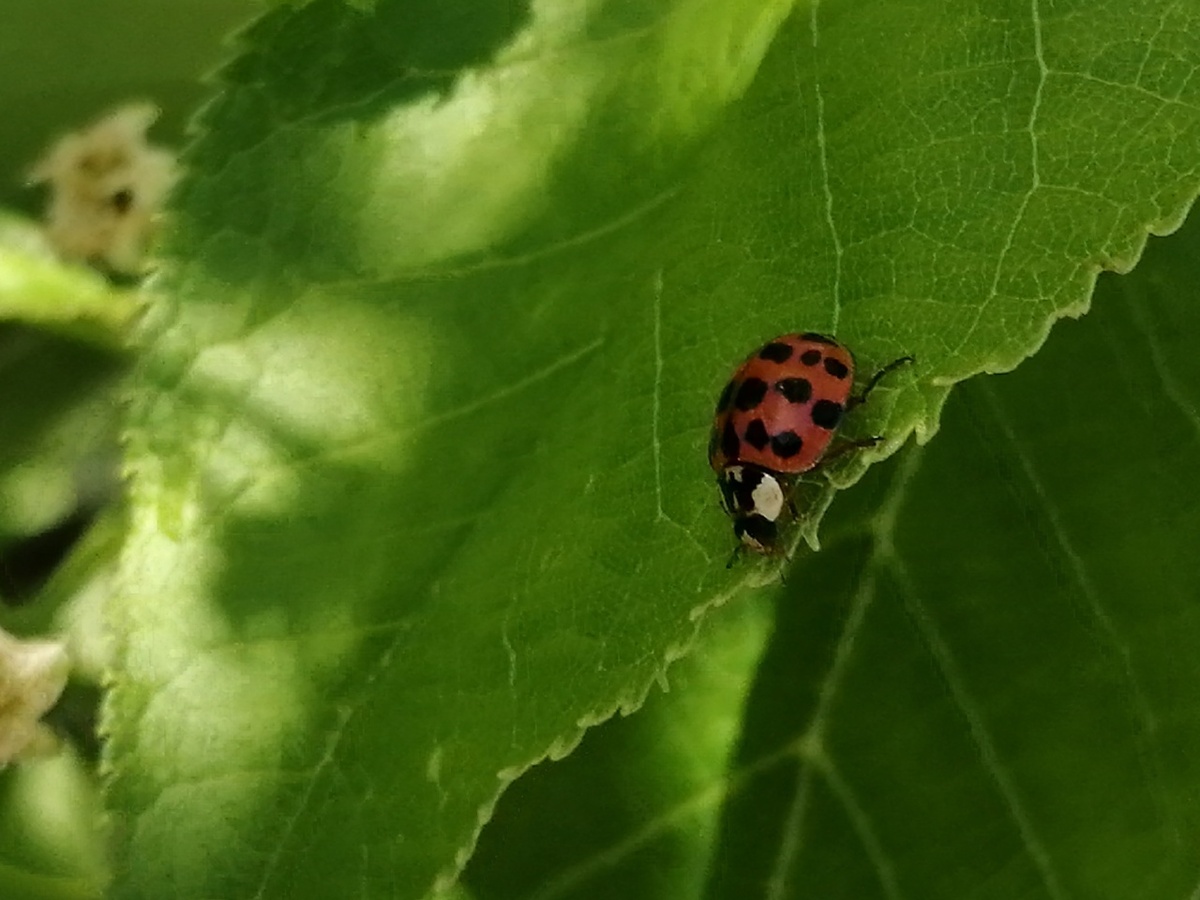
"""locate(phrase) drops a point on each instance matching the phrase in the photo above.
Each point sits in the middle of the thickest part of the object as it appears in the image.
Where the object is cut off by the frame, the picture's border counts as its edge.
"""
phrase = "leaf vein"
(885, 871)
(570, 880)
(793, 832)
(332, 742)
(988, 752)
(1172, 386)
(1136, 88)
(385, 437)
(655, 442)
(1035, 180)
(823, 156)
(1149, 755)
(810, 745)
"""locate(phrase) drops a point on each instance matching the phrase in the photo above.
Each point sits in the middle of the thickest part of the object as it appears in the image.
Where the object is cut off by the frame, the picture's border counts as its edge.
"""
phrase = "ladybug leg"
(859, 399)
(733, 557)
(789, 489)
(846, 447)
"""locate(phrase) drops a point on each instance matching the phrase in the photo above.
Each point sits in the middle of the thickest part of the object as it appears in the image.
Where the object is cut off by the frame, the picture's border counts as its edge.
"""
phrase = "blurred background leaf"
(61, 359)
(66, 63)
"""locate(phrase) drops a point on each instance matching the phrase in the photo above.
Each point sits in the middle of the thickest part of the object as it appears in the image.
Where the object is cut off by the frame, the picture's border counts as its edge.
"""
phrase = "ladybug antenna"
(860, 399)
(733, 557)
(789, 555)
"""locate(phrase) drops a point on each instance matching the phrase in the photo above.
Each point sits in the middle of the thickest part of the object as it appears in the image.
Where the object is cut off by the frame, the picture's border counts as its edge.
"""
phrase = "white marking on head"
(768, 498)
(730, 476)
(752, 542)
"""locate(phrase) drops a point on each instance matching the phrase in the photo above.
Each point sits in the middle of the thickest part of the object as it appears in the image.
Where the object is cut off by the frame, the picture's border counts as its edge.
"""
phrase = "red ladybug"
(775, 419)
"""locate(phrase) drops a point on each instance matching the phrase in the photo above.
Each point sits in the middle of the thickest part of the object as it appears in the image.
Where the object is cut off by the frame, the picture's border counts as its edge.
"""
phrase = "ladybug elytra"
(775, 419)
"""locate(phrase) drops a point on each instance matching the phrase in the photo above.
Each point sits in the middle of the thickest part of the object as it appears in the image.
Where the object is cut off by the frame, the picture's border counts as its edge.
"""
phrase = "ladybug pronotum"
(775, 419)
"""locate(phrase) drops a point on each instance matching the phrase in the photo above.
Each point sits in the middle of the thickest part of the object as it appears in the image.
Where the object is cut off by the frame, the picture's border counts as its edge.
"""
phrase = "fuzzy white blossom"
(32, 677)
(107, 188)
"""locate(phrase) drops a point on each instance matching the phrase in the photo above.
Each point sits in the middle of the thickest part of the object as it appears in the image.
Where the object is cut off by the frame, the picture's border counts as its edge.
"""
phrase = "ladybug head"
(754, 498)
(756, 533)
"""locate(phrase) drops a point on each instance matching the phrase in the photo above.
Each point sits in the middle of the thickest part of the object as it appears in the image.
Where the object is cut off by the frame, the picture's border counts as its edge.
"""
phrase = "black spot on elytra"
(122, 200)
(744, 492)
(786, 444)
(737, 487)
(761, 530)
(836, 367)
(750, 394)
(729, 442)
(795, 390)
(728, 487)
(776, 352)
(818, 338)
(756, 434)
(751, 478)
(810, 357)
(827, 414)
(726, 398)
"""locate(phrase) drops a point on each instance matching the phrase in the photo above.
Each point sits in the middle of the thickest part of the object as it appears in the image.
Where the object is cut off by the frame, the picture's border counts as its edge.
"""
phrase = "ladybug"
(775, 419)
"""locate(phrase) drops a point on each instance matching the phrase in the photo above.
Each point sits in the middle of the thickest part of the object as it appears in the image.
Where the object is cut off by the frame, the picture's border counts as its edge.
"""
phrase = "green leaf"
(48, 831)
(417, 448)
(59, 428)
(634, 812)
(38, 289)
(986, 685)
